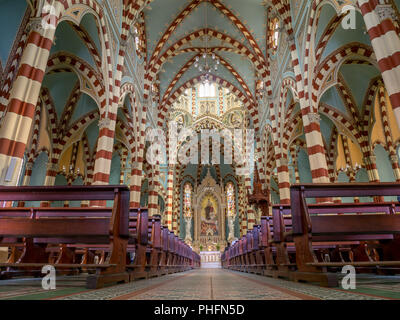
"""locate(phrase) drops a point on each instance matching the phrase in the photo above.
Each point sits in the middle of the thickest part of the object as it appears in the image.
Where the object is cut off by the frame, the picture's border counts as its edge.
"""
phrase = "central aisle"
(217, 284)
(201, 284)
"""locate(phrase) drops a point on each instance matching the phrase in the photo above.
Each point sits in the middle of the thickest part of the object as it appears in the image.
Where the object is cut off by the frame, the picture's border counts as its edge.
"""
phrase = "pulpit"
(260, 197)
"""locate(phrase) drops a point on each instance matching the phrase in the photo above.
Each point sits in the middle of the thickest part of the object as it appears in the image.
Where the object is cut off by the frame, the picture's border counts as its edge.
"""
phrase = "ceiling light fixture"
(208, 61)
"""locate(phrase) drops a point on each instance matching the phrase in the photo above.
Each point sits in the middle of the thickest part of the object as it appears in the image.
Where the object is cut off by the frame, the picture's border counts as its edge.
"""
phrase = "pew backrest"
(71, 222)
(380, 217)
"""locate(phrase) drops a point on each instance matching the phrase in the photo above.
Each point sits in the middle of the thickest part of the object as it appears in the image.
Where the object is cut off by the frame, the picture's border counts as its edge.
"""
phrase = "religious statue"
(209, 221)
(231, 236)
(188, 238)
(209, 210)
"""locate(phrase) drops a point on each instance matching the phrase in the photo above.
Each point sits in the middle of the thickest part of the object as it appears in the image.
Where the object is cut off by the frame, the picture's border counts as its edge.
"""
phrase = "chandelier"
(208, 61)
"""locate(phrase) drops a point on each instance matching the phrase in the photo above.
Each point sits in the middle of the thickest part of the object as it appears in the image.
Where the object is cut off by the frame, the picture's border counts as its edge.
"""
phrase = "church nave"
(199, 149)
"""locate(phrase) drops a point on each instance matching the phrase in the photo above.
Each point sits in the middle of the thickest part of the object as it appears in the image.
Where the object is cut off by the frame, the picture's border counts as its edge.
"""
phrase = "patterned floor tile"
(202, 284)
(311, 290)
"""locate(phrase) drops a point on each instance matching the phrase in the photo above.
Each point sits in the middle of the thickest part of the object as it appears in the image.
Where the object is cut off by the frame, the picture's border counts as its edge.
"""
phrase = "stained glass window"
(207, 90)
(187, 205)
(230, 198)
(274, 26)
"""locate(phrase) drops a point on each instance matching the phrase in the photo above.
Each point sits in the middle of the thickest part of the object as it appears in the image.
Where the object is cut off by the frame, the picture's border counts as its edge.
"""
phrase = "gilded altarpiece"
(209, 216)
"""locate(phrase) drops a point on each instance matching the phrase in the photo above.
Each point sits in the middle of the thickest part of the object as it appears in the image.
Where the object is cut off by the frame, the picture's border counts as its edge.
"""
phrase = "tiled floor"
(203, 284)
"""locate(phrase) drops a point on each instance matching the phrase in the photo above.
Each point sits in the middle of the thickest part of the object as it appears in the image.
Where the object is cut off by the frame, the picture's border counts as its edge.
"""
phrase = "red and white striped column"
(16, 125)
(294, 163)
(170, 195)
(386, 44)
(251, 219)
(105, 145)
(283, 179)
(153, 191)
(136, 183)
(176, 210)
(394, 159)
(347, 156)
(242, 207)
(311, 119)
(137, 165)
(370, 165)
(124, 166)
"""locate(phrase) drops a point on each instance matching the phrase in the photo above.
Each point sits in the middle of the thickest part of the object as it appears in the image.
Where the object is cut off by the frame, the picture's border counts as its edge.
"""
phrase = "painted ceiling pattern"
(239, 30)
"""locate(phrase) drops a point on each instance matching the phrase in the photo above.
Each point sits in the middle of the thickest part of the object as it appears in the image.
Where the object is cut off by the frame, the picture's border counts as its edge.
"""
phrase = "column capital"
(52, 166)
(290, 37)
(284, 161)
(385, 11)
(123, 43)
(104, 123)
(313, 117)
(29, 165)
(394, 158)
(144, 102)
(372, 159)
(35, 24)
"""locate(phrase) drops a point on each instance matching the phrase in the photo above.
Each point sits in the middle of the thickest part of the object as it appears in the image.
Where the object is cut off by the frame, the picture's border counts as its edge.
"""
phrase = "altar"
(210, 259)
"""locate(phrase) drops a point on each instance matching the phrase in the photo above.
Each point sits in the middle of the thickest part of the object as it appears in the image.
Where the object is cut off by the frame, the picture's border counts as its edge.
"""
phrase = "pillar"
(136, 183)
(315, 148)
(153, 195)
(311, 123)
(50, 179)
(394, 159)
(251, 220)
(170, 195)
(296, 172)
(137, 164)
(105, 145)
(370, 165)
(386, 44)
(388, 133)
(283, 180)
(15, 129)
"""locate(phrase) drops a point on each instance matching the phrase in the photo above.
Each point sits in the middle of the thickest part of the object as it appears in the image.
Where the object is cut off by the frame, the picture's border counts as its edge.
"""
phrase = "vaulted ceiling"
(236, 32)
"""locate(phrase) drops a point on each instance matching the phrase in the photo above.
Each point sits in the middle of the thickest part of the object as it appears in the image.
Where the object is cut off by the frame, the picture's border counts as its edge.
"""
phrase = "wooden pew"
(196, 260)
(281, 241)
(163, 263)
(68, 226)
(354, 223)
(171, 253)
(338, 249)
(155, 248)
(259, 249)
(252, 253)
(138, 242)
